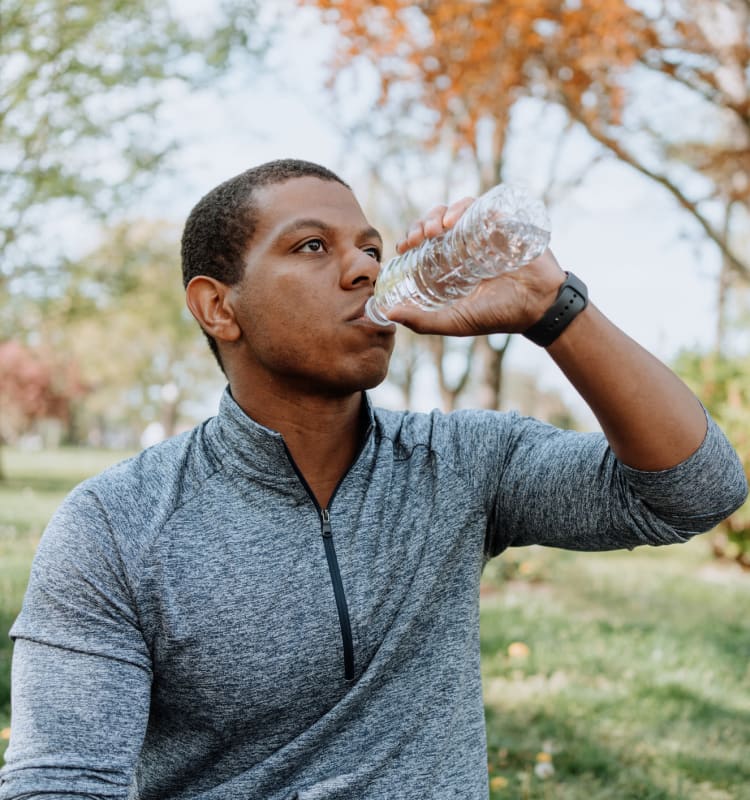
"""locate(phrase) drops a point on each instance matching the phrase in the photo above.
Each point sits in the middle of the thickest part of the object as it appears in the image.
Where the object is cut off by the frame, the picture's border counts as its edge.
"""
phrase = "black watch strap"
(572, 298)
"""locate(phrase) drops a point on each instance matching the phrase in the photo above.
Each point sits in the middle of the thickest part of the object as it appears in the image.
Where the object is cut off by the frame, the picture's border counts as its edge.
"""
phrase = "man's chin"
(362, 382)
(375, 376)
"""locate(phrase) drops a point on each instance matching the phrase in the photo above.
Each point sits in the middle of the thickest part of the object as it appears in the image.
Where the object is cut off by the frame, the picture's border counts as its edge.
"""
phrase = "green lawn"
(622, 675)
(636, 680)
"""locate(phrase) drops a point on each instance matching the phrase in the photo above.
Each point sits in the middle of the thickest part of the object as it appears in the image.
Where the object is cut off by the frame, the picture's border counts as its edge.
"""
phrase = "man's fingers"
(455, 210)
(434, 223)
(430, 225)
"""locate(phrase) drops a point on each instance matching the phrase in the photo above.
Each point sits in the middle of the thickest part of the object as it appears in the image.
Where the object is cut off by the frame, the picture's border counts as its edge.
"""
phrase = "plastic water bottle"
(502, 230)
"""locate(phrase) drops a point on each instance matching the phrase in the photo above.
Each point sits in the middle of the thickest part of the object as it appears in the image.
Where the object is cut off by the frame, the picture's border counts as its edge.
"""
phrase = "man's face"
(311, 267)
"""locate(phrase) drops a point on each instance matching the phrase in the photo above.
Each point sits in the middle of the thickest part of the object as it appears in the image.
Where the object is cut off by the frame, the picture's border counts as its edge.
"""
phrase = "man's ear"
(209, 302)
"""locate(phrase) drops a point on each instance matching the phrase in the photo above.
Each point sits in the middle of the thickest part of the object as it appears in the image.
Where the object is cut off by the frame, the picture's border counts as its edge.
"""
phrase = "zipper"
(338, 593)
(333, 564)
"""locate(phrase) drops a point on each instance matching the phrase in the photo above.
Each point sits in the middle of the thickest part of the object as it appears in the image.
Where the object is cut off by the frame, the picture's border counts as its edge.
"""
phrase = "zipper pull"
(325, 519)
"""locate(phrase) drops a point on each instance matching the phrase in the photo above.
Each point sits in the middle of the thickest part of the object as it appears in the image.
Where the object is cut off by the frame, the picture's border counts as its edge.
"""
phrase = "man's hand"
(510, 303)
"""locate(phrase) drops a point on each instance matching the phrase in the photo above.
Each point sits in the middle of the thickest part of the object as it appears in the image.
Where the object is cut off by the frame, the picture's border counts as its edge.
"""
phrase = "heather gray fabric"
(180, 638)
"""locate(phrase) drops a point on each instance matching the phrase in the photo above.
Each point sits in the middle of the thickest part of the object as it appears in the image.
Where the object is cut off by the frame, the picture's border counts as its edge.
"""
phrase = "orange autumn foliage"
(470, 61)
(474, 59)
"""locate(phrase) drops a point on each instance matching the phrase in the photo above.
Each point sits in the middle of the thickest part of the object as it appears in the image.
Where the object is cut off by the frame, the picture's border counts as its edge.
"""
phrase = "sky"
(644, 262)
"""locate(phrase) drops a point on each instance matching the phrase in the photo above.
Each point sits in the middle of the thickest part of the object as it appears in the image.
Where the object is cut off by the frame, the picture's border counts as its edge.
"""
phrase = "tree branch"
(713, 94)
(691, 207)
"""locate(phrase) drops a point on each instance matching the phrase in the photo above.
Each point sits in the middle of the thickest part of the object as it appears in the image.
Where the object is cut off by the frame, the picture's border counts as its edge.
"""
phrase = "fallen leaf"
(518, 650)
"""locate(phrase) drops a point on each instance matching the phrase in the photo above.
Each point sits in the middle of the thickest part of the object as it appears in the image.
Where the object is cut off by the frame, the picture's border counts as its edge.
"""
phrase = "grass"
(633, 682)
(622, 675)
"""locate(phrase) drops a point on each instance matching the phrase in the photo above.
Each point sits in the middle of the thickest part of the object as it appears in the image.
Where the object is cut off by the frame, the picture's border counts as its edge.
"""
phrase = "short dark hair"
(219, 229)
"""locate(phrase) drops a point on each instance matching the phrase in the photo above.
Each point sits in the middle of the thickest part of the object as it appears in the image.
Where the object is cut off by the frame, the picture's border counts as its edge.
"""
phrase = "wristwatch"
(572, 298)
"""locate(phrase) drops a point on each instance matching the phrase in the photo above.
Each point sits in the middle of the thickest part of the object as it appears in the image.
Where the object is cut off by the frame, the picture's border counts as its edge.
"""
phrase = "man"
(284, 602)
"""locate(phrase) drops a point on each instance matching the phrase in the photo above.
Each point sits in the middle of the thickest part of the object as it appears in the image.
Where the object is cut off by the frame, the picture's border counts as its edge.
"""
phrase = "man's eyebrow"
(312, 222)
(372, 233)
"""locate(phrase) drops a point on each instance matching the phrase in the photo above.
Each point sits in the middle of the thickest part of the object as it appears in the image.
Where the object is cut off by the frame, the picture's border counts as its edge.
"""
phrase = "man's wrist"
(572, 298)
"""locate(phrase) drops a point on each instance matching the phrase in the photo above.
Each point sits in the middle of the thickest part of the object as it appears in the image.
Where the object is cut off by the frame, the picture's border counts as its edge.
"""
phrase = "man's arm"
(660, 476)
(81, 677)
(650, 418)
(78, 724)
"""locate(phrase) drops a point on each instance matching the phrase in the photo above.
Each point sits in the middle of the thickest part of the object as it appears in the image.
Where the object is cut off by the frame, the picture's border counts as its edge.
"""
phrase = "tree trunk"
(404, 363)
(449, 394)
(725, 283)
(491, 360)
(170, 417)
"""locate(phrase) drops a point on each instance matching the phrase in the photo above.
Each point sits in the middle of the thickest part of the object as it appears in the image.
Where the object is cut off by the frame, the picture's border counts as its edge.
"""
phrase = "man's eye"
(311, 246)
(373, 251)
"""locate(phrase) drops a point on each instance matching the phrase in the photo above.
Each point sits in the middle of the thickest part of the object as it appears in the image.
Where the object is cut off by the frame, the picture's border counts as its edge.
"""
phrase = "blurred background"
(631, 118)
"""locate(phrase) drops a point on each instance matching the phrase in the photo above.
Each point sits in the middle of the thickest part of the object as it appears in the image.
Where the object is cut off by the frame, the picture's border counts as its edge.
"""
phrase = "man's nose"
(359, 268)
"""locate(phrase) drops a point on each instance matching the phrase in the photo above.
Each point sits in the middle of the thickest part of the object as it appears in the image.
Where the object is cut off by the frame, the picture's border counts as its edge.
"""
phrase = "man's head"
(278, 263)
(219, 230)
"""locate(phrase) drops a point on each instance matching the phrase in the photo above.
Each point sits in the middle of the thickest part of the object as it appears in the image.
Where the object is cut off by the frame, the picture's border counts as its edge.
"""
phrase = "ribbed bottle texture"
(502, 230)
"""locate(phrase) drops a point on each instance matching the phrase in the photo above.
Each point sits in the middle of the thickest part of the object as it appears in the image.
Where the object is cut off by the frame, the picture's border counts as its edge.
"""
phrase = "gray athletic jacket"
(196, 627)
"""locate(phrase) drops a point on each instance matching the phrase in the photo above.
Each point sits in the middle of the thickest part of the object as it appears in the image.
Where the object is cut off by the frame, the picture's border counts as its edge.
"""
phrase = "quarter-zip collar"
(260, 449)
(252, 446)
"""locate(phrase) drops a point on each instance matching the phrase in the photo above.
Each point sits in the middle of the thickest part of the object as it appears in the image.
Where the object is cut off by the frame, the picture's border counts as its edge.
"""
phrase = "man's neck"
(322, 433)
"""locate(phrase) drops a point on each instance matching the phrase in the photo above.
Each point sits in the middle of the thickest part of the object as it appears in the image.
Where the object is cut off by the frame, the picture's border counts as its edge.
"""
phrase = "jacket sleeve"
(81, 673)
(543, 485)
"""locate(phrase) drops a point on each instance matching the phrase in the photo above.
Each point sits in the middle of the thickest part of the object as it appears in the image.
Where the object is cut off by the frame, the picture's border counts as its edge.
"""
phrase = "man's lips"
(360, 312)
(360, 316)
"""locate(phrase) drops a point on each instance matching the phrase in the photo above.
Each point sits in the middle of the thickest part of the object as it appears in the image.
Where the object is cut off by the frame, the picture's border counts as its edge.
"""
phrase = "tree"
(699, 51)
(34, 386)
(462, 65)
(121, 316)
(82, 83)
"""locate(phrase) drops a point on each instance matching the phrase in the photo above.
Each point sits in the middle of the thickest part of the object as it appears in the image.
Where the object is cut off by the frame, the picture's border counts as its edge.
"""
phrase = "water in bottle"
(502, 230)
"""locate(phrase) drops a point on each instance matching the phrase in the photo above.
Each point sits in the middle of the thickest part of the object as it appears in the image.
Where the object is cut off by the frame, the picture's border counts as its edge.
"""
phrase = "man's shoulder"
(147, 488)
